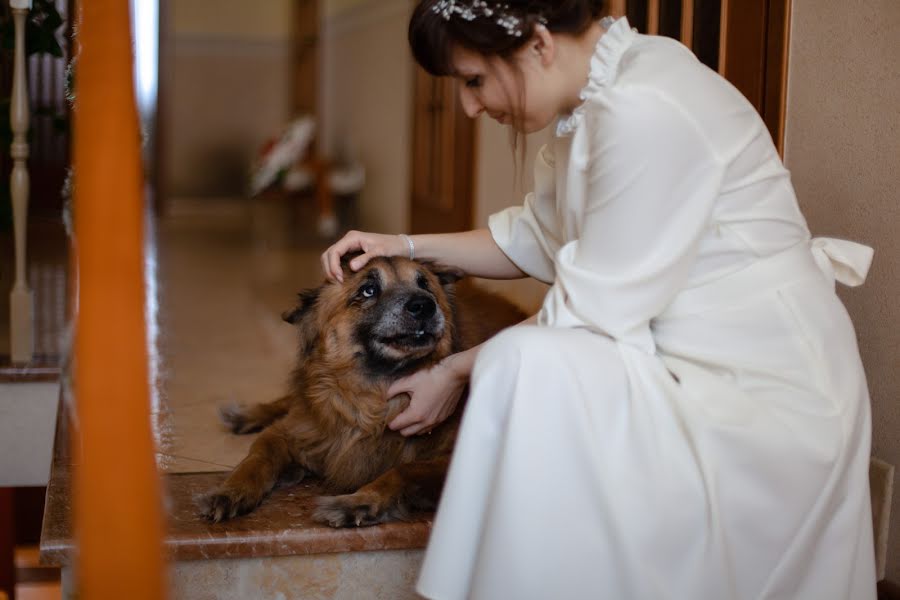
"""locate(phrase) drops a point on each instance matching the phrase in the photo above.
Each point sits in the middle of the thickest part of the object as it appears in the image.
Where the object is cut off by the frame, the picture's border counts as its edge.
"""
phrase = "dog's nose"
(421, 307)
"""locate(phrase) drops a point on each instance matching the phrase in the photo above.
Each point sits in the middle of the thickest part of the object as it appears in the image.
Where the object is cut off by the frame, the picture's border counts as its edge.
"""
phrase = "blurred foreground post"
(118, 509)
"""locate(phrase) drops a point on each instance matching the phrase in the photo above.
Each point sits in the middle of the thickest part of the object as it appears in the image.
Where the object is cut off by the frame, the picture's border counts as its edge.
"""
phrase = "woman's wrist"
(461, 363)
(408, 245)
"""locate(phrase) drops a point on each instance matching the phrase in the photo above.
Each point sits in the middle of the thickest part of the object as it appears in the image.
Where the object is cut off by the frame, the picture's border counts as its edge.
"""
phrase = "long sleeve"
(651, 179)
(530, 234)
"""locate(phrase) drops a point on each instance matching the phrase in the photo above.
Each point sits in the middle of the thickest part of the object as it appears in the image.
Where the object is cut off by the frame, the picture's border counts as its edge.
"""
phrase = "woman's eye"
(474, 82)
(368, 291)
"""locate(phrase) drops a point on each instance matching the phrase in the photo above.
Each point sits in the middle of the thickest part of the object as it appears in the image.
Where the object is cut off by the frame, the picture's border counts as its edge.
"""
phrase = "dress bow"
(842, 260)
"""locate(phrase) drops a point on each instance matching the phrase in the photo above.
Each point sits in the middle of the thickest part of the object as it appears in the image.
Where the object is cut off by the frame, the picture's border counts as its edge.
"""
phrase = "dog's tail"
(250, 419)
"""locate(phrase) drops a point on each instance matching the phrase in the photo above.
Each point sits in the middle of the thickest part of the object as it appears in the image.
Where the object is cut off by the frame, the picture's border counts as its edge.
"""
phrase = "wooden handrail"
(118, 508)
(21, 301)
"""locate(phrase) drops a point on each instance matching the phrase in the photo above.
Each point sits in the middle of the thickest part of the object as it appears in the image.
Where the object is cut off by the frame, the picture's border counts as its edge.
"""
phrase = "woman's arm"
(475, 252)
(435, 392)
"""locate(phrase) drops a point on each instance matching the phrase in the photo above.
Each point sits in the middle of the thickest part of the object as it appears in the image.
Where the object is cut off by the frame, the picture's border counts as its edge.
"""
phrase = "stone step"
(277, 551)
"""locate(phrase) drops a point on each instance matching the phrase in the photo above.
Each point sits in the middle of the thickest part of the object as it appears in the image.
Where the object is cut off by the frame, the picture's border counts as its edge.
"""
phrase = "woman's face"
(492, 85)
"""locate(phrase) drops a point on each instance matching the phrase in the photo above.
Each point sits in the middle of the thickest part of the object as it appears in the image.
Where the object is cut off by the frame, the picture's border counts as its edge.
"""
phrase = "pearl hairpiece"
(480, 8)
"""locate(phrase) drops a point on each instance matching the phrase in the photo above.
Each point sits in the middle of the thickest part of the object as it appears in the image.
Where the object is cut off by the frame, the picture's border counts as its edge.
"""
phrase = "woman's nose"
(471, 106)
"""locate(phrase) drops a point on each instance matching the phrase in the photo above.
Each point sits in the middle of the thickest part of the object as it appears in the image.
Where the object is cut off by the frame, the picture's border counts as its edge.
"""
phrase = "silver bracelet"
(409, 242)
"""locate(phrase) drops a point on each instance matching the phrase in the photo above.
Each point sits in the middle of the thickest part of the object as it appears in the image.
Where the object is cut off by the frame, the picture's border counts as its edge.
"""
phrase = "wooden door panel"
(744, 40)
(743, 56)
(305, 57)
(443, 158)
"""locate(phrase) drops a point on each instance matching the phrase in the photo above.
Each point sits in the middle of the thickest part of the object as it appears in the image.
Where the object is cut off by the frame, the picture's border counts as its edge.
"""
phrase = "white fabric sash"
(839, 260)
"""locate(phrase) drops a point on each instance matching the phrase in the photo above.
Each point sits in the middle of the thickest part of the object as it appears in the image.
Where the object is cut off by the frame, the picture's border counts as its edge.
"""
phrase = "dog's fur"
(388, 320)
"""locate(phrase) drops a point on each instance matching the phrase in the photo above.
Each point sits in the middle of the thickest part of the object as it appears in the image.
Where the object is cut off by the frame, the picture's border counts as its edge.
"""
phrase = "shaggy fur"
(386, 321)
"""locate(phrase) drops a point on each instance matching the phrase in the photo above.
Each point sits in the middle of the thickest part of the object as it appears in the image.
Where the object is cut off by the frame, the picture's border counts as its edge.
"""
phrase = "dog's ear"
(446, 275)
(345, 259)
(308, 299)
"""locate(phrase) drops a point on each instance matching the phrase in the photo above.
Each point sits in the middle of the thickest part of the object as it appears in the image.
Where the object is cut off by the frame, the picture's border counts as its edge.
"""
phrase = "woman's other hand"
(434, 395)
(370, 244)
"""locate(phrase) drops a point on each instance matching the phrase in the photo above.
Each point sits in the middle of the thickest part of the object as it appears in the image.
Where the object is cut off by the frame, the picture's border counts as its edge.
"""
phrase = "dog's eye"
(422, 282)
(368, 291)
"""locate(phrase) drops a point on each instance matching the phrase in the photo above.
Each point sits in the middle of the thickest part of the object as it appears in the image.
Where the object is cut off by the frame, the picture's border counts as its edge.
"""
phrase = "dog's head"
(393, 315)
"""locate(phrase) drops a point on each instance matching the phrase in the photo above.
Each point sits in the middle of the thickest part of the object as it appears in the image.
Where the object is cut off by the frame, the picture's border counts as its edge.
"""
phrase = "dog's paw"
(351, 510)
(240, 419)
(225, 503)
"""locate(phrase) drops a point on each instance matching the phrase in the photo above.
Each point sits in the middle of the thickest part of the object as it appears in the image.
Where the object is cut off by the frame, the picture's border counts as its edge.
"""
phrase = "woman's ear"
(543, 45)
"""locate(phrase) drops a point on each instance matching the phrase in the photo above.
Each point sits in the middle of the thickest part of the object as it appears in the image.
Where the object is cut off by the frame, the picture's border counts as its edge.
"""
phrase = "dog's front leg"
(250, 419)
(391, 497)
(269, 460)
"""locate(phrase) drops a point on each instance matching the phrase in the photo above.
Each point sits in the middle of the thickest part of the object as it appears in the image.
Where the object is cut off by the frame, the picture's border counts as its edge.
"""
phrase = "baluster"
(21, 298)
(617, 8)
(653, 17)
(723, 38)
(687, 23)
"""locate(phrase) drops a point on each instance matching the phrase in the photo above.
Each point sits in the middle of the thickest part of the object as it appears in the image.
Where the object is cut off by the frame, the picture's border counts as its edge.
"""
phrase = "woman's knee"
(525, 343)
(546, 348)
(513, 343)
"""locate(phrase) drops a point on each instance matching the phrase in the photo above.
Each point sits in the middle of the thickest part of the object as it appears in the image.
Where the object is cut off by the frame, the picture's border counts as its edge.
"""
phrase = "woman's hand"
(434, 394)
(371, 245)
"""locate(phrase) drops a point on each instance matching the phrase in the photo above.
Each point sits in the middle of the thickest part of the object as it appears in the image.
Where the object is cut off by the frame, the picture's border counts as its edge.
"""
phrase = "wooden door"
(744, 40)
(305, 57)
(443, 158)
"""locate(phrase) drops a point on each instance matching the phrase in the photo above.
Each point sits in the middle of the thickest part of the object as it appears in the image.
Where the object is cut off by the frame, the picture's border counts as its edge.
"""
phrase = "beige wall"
(333, 8)
(366, 102)
(843, 148)
(233, 19)
(226, 89)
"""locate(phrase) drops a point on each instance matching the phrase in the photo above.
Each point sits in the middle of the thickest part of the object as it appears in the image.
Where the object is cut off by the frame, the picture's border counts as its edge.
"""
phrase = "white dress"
(690, 418)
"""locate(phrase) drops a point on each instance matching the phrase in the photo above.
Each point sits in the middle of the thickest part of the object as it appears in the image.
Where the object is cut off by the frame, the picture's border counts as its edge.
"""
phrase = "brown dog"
(388, 320)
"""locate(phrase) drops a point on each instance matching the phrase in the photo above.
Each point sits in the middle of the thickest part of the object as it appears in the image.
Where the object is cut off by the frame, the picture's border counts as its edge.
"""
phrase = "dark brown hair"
(433, 37)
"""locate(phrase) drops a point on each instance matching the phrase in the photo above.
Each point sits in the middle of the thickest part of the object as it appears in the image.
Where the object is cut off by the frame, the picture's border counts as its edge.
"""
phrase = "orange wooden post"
(118, 508)
(617, 8)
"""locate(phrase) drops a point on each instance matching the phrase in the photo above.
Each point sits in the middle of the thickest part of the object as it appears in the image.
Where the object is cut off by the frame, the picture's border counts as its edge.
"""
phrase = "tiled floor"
(226, 271)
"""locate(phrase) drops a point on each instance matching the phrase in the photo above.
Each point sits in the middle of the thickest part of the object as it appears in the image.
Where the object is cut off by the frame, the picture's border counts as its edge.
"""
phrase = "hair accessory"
(409, 242)
(480, 8)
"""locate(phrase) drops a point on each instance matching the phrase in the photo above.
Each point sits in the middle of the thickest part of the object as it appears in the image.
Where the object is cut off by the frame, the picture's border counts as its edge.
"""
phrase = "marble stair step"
(275, 552)
(281, 526)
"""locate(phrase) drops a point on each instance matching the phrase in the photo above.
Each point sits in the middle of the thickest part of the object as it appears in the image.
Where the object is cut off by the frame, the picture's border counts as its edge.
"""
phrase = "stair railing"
(118, 507)
(21, 299)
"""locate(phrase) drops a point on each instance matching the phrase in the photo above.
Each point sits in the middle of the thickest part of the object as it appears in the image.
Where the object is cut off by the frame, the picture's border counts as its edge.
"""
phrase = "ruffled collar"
(604, 64)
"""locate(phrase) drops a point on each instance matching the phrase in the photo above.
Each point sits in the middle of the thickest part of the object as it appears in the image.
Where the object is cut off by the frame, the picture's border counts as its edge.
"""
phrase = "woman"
(687, 417)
